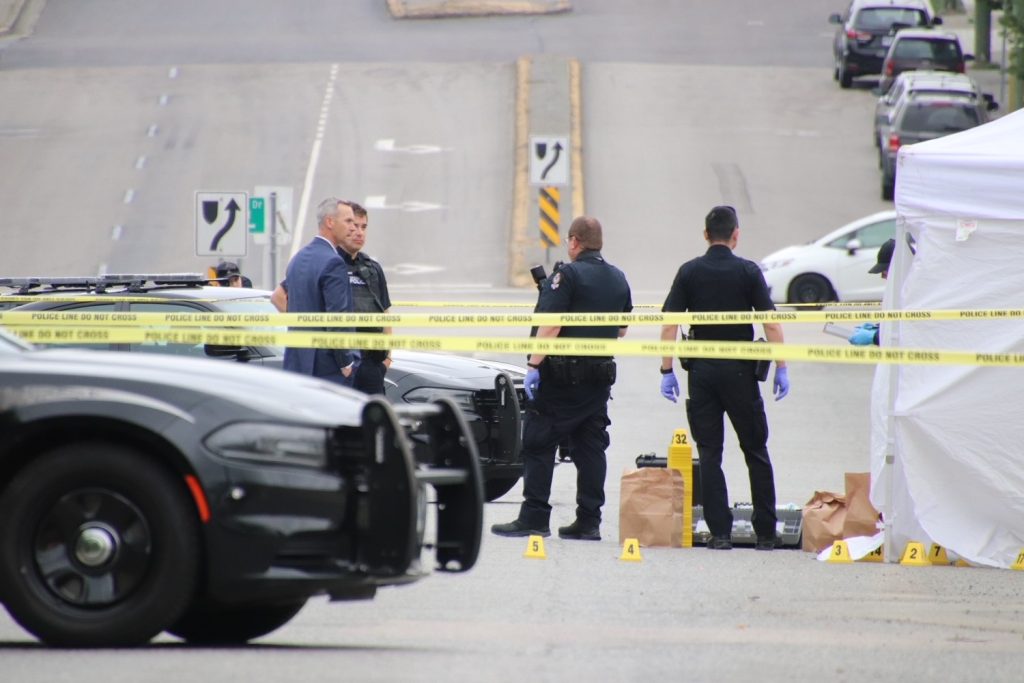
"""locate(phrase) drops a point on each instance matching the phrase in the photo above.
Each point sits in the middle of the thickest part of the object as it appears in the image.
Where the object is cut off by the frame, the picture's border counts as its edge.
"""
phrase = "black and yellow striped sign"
(547, 201)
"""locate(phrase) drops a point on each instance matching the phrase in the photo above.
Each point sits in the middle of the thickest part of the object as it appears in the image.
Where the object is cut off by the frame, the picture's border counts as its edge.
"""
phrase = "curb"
(10, 11)
(427, 9)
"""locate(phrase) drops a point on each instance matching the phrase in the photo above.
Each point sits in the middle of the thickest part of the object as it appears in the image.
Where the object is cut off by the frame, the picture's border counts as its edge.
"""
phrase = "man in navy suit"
(318, 283)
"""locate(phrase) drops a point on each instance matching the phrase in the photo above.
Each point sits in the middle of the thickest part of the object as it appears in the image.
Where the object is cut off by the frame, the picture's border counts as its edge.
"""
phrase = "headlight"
(271, 443)
(772, 265)
(463, 399)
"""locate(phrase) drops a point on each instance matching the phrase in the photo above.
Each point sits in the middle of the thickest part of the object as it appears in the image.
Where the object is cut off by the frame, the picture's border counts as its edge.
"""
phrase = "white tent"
(956, 433)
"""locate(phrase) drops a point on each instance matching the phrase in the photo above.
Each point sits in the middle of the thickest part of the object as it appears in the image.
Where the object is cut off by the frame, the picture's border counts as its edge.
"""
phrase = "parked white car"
(834, 267)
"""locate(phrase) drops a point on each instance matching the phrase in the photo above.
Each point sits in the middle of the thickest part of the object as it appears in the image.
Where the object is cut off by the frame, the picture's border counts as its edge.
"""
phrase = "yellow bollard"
(680, 458)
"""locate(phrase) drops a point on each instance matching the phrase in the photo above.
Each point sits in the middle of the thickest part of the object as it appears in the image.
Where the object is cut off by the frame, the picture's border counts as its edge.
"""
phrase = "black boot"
(581, 531)
(518, 527)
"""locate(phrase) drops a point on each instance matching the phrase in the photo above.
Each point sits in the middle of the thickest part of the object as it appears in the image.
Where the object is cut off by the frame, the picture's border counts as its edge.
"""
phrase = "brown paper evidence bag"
(651, 507)
(829, 517)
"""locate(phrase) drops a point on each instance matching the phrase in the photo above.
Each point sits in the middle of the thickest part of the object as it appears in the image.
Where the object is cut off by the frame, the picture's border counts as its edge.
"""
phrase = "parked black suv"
(140, 494)
(925, 116)
(866, 30)
(489, 393)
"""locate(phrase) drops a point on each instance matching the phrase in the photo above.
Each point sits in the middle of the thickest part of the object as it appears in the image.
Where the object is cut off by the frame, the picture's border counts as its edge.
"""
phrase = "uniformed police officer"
(369, 295)
(569, 394)
(721, 281)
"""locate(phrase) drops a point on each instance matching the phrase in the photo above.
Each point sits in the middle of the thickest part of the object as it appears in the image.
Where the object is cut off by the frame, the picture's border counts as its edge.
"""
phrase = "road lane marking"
(314, 160)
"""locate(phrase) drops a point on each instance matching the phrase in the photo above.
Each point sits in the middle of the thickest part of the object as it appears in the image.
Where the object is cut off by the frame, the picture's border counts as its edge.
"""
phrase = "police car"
(141, 494)
(489, 393)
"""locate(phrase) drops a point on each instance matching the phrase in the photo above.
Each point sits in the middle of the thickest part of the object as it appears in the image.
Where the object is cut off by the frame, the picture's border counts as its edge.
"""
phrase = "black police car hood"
(450, 370)
(284, 396)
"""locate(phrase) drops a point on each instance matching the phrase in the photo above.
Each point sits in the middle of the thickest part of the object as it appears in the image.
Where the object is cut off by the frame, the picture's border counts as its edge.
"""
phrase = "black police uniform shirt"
(719, 281)
(587, 285)
(369, 286)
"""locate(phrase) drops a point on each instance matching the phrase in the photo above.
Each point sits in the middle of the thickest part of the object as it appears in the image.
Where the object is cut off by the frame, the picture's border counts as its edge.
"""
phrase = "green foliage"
(1013, 23)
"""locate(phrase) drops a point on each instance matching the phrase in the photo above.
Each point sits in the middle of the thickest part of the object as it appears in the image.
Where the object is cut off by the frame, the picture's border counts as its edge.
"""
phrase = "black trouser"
(369, 377)
(728, 387)
(579, 412)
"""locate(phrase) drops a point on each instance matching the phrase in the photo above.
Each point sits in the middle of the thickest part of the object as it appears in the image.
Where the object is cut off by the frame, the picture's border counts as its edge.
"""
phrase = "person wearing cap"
(228, 270)
(867, 334)
(721, 281)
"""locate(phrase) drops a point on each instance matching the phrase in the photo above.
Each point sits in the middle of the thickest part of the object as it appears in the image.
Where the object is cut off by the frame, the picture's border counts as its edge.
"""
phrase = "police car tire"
(99, 546)
(206, 624)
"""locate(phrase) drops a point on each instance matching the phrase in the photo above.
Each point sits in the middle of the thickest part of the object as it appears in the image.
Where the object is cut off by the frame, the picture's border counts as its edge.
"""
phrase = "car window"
(876, 234)
(939, 117)
(882, 18)
(163, 347)
(942, 51)
(248, 305)
(84, 308)
(870, 236)
(10, 343)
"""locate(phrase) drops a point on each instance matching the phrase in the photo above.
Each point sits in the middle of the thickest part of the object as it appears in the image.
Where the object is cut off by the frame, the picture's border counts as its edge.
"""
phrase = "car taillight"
(889, 67)
(857, 35)
(894, 142)
(960, 68)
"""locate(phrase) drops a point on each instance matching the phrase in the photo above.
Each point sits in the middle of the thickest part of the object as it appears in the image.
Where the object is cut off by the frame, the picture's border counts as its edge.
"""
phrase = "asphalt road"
(686, 104)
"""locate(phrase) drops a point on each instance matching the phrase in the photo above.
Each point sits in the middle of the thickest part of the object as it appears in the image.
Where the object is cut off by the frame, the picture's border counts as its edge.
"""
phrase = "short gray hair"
(327, 208)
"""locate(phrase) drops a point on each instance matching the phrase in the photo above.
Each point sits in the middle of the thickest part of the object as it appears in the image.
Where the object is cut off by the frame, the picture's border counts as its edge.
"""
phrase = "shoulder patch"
(556, 280)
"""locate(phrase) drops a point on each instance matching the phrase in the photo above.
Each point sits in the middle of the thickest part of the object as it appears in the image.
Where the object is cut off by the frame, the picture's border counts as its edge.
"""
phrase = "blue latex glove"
(532, 382)
(864, 335)
(780, 387)
(670, 386)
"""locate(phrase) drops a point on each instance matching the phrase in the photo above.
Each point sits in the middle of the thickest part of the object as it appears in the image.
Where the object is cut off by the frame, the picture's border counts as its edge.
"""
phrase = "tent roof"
(976, 173)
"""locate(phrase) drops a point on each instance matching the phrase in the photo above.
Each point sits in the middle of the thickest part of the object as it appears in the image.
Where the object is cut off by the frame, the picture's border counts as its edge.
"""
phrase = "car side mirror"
(937, 21)
(968, 57)
(852, 246)
(990, 102)
(239, 353)
(835, 19)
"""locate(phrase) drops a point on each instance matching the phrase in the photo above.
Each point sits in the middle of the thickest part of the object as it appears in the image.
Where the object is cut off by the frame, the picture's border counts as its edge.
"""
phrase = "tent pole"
(893, 336)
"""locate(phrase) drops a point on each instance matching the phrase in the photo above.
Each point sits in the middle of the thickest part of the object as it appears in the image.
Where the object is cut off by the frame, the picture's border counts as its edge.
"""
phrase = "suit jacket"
(318, 283)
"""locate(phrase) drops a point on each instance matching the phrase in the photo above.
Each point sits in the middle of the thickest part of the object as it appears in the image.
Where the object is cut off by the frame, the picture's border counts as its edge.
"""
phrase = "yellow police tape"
(554, 346)
(322, 320)
(29, 298)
